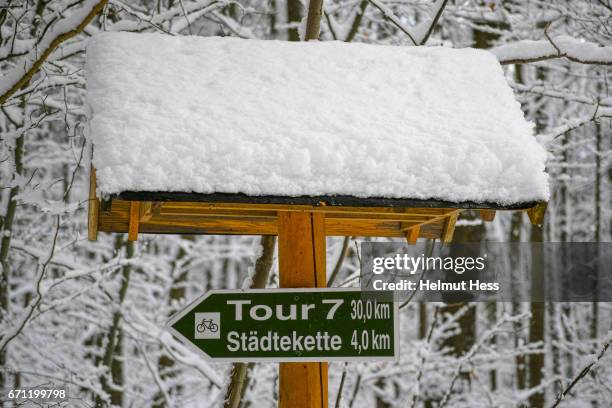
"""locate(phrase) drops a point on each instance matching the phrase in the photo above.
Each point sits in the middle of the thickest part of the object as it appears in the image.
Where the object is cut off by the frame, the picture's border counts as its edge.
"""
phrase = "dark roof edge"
(335, 200)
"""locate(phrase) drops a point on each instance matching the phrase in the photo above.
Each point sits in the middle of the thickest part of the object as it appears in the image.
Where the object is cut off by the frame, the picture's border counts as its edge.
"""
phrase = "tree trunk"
(536, 324)
(239, 379)
(6, 229)
(517, 307)
(598, 233)
(313, 21)
(176, 293)
(422, 320)
(464, 340)
(294, 16)
(113, 359)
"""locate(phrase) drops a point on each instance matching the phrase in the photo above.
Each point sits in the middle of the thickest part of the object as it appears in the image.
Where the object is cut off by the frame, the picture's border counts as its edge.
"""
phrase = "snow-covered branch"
(467, 357)
(583, 373)
(525, 51)
(546, 139)
(178, 15)
(61, 31)
(561, 94)
(232, 25)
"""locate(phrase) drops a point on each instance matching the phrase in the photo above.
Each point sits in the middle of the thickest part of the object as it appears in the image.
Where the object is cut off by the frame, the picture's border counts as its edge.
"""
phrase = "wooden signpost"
(301, 258)
(302, 225)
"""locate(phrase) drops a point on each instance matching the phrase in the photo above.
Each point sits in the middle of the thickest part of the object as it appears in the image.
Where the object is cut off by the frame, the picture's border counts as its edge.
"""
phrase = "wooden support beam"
(106, 205)
(93, 208)
(301, 259)
(449, 228)
(118, 221)
(156, 207)
(146, 211)
(134, 221)
(536, 213)
(178, 207)
(412, 235)
(264, 222)
(487, 215)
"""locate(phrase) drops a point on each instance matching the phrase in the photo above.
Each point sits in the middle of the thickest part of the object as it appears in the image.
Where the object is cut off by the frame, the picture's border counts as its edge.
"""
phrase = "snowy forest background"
(89, 316)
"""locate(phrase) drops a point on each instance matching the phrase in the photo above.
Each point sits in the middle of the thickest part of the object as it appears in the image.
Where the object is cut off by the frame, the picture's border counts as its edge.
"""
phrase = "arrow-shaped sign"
(290, 325)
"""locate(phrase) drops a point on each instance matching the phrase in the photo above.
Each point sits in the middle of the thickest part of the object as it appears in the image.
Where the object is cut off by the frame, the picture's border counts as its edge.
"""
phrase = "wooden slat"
(206, 212)
(134, 220)
(146, 211)
(203, 211)
(113, 225)
(156, 208)
(230, 226)
(119, 207)
(536, 213)
(487, 215)
(417, 218)
(207, 208)
(117, 221)
(93, 208)
(412, 235)
(449, 228)
(363, 228)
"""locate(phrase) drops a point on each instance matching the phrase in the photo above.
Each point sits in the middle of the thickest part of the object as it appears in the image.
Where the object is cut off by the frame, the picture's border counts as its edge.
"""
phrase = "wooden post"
(134, 220)
(449, 227)
(412, 235)
(94, 208)
(301, 260)
(536, 214)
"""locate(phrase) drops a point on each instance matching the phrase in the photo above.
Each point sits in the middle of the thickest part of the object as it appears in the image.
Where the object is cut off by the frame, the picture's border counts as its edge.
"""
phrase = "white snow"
(208, 114)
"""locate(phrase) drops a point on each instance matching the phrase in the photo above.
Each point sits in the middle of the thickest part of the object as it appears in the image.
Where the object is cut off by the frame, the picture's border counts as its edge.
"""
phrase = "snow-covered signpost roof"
(302, 141)
(217, 135)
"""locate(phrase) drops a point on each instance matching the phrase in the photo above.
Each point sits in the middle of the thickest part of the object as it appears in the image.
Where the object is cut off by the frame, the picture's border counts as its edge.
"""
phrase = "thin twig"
(4, 342)
(424, 357)
(550, 39)
(434, 21)
(357, 21)
(583, 373)
(339, 262)
(355, 391)
(330, 25)
(341, 387)
(388, 15)
(421, 276)
(155, 375)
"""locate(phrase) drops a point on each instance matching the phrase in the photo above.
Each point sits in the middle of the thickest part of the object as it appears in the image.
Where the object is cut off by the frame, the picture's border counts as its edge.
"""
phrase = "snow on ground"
(209, 114)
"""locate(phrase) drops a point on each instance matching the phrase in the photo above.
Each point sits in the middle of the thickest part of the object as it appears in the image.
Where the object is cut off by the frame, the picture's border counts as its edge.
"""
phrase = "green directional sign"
(291, 325)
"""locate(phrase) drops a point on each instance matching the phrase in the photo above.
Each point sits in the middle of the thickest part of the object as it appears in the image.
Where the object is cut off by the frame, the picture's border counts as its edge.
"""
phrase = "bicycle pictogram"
(207, 324)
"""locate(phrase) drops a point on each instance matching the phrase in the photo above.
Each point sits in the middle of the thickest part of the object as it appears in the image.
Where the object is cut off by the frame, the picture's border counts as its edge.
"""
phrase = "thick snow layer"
(195, 114)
